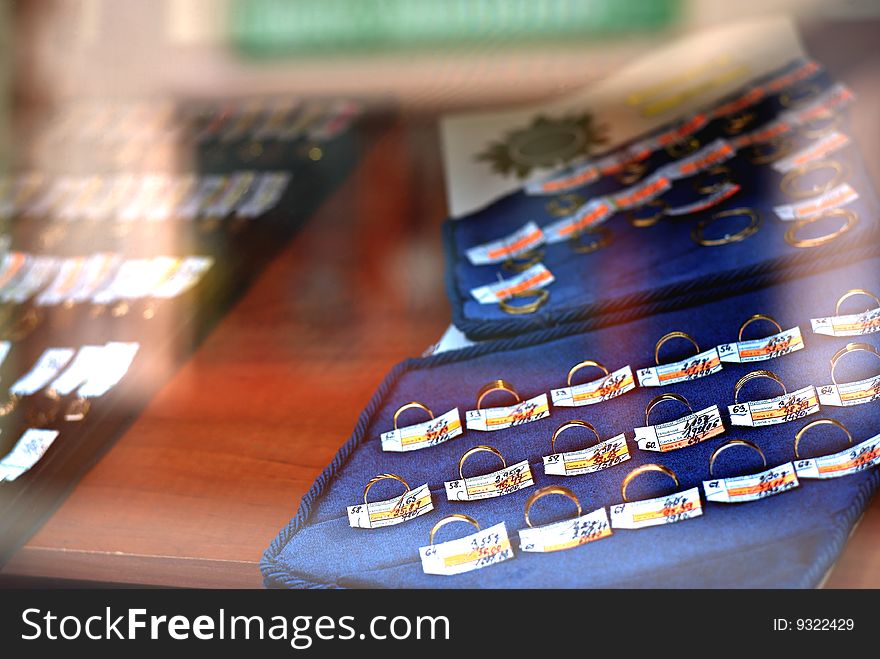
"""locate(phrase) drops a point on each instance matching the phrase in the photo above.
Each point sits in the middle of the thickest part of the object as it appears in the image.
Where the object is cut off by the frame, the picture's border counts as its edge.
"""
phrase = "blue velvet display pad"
(645, 270)
(788, 540)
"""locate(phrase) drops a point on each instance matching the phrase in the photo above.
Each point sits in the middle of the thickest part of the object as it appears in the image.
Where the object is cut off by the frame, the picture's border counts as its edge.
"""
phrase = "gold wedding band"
(854, 292)
(541, 296)
(524, 261)
(565, 204)
(650, 220)
(787, 99)
(730, 444)
(779, 146)
(496, 385)
(414, 405)
(644, 469)
(382, 477)
(480, 449)
(813, 424)
(454, 517)
(823, 129)
(662, 398)
(587, 363)
(791, 235)
(787, 184)
(755, 318)
(847, 349)
(702, 187)
(545, 491)
(673, 335)
(601, 238)
(631, 172)
(754, 223)
(760, 373)
(682, 147)
(735, 124)
(572, 424)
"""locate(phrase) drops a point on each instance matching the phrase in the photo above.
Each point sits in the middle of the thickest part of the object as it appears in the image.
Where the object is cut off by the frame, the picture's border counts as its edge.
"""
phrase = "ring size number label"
(498, 418)
(701, 365)
(588, 216)
(422, 435)
(851, 461)
(522, 240)
(28, 450)
(376, 514)
(839, 196)
(850, 325)
(498, 483)
(475, 551)
(605, 388)
(687, 431)
(758, 350)
(751, 488)
(606, 454)
(654, 512)
(782, 409)
(566, 534)
(819, 149)
(850, 393)
(535, 277)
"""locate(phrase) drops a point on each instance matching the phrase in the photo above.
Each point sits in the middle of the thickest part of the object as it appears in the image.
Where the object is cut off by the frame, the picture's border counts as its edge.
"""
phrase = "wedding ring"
(847, 349)
(547, 490)
(480, 449)
(541, 296)
(673, 335)
(644, 469)
(813, 424)
(587, 363)
(410, 406)
(791, 235)
(730, 444)
(454, 517)
(662, 398)
(754, 223)
(760, 373)
(754, 319)
(568, 425)
(382, 477)
(496, 385)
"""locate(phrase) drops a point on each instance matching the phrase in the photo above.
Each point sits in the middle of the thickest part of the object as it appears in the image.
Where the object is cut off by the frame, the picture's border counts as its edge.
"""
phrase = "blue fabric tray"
(646, 270)
(790, 540)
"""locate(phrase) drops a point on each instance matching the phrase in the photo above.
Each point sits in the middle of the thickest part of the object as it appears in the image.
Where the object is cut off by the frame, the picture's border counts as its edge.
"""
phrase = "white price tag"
(570, 178)
(498, 418)
(115, 360)
(782, 409)
(190, 272)
(47, 367)
(38, 270)
(522, 240)
(586, 461)
(855, 324)
(699, 366)
(422, 435)
(605, 388)
(752, 487)
(758, 350)
(660, 510)
(28, 450)
(504, 481)
(265, 195)
(377, 514)
(643, 192)
(714, 153)
(857, 458)
(589, 216)
(472, 552)
(839, 196)
(848, 393)
(537, 276)
(686, 431)
(821, 148)
(724, 191)
(566, 534)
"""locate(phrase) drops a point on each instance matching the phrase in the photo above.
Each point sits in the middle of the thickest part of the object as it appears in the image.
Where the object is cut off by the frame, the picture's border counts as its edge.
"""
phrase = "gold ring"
(730, 444)
(564, 205)
(602, 239)
(662, 398)
(631, 172)
(546, 490)
(781, 146)
(584, 364)
(787, 100)
(756, 318)
(643, 469)
(9, 404)
(650, 220)
(524, 261)
(813, 424)
(734, 124)
(754, 223)
(541, 295)
(77, 409)
(854, 292)
(382, 477)
(718, 170)
(673, 335)
(824, 129)
(410, 406)
(572, 424)
(791, 235)
(496, 385)
(454, 517)
(682, 147)
(760, 373)
(480, 449)
(848, 348)
(787, 184)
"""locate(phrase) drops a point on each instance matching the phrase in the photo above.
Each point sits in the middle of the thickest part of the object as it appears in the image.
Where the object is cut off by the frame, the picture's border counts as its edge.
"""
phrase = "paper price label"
(597, 391)
(115, 360)
(87, 359)
(504, 481)
(839, 196)
(855, 324)
(782, 409)
(190, 272)
(535, 277)
(858, 458)
(571, 178)
(848, 393)
(28, 450)
(12, 264)
(522, 240)
(377, 514)
(234, 191)
(137, 278)
(686, 431)
(566, 534)
(266, 194)
(661, 510)
(725, 191)
(643, 192)
(740, 489)
(586, 461)
(5, 347)
(699, 366)
(592, 214)
(758, 350)
(767, 132)
(65, 279)
(475, 551)
(821, 148)
(714, 153)
(422, 435)
(37, 271)
(788, 79)
(498, 418)
(837, 96)
(47, 367)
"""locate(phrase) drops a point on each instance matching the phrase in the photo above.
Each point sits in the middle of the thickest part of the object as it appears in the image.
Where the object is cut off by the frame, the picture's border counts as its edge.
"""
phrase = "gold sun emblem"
(545, 143)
